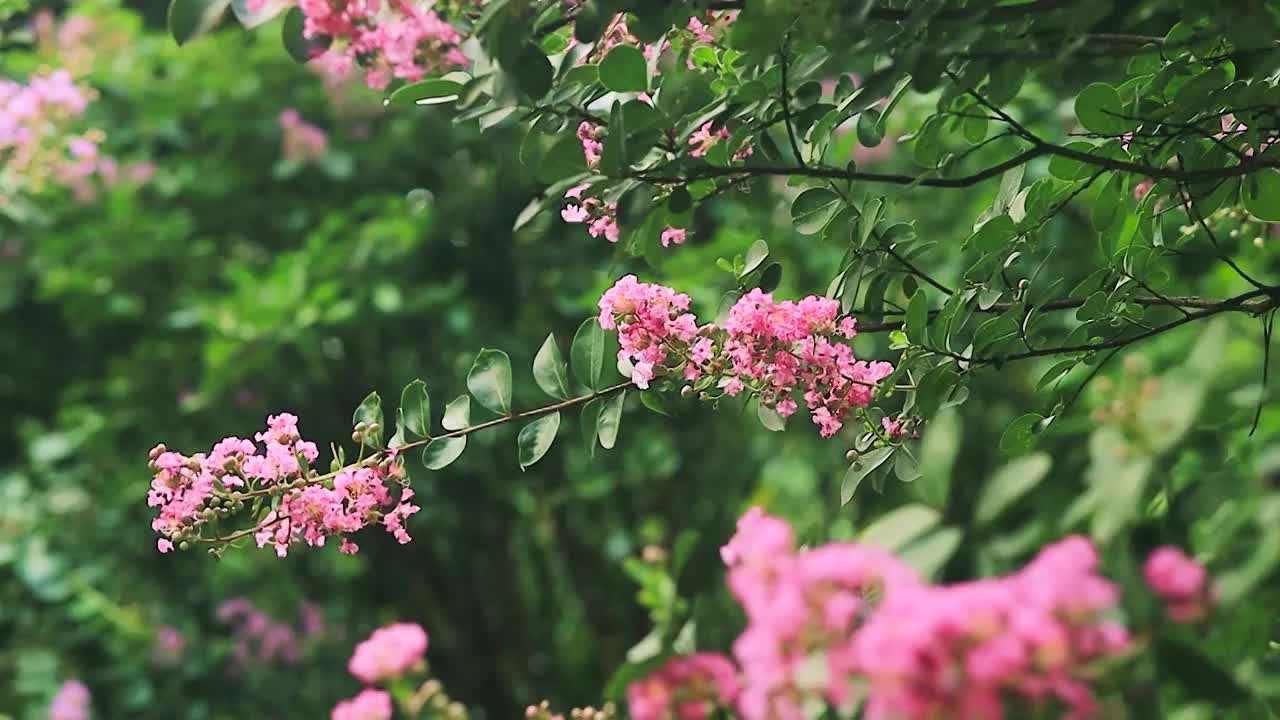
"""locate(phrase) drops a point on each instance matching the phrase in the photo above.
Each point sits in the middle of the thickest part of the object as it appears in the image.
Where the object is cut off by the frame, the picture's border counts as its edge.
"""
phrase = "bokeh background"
(290, 244)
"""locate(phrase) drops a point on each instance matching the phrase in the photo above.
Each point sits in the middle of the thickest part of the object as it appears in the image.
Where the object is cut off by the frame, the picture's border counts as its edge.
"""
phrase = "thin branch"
(785, 99)
(1267, 327)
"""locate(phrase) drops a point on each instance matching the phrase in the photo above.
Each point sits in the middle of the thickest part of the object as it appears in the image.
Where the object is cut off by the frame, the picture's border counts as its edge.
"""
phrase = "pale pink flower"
(370, 704)
(1181, 581)
(389, 652)
(71, 702)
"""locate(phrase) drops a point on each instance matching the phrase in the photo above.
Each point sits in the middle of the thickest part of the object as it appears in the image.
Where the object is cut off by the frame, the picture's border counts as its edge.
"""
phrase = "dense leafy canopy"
(1053, 218)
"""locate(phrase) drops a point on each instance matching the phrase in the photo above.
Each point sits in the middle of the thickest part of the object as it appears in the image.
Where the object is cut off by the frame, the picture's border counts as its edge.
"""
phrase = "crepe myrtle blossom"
(1181, 582)
(400, 39)
(388, 653)
(840, 623)
(370, 704)
(776, 349)
(600, 217)
(673, 236)
(704, 138)
(71, 702)
(191, 493)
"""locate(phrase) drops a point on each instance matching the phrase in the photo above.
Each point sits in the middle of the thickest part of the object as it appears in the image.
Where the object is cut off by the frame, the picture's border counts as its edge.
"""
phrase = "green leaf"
(870, 131)
(490, 380)
(894, 530)
(536, 438)
(756, 255)
(441, 452)
(813, 208)
(1065, 168)
(1009, 484)
(295, 43)
(432, 91)
(917, 320)
(587, 353)
(1199, 675)
(770, 418)
(1260, 193)
(370, 413)
(415, 408)
(1100, 110)
(1020, 435)
(457, 414)
(994, 234)
(549, 370)
(770, 277)
(864, 465)
(938, 451)
(532, 71)
(930, 553)
(624, 70)
(189, 18)
(610, 420)
(590, 423)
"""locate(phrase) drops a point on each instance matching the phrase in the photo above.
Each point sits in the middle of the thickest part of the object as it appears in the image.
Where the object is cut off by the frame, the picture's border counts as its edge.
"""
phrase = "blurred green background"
(238, 282)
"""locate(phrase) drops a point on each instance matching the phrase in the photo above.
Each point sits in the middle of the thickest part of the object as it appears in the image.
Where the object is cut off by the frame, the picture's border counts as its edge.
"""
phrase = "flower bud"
(851, 455)
(184, 545)
(157, 451)
(686, 391)
(357, 436)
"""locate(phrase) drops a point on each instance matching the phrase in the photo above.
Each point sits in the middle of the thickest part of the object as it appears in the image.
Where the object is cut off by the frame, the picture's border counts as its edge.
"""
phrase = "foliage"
(1025, 206)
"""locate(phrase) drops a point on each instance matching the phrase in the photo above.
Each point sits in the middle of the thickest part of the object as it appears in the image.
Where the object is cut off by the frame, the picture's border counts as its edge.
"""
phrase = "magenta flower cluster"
(1181, 582)
(845, 623)
(775, 348)
(389, 38)
(389, 653)
(191, 492)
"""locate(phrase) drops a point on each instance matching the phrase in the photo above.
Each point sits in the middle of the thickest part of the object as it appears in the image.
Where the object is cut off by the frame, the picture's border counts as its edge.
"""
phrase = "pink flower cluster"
(37, 145)
(387, 654)
(673, 236)
(261, 640)
(359, 497)
(1181, 581)
(650, 319)
(967, 649)
(302, 142)
(590, 136)
(370, 704)
(803, 613)
(775, 348)
(192, 491)
(785, 346)
(390, 38)
(686, 687)
(704, 138)
(711, 25)
(600, 217)
(843, 622)
(71, 702)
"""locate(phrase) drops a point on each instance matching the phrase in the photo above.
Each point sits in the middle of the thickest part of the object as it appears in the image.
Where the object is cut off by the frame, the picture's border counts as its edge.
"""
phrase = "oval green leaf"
(489, 380)
(535, 439)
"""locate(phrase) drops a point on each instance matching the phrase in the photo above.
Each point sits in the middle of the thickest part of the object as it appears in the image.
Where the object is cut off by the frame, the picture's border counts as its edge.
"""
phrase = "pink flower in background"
(1141, 189)
(673, 235)
(686, 688)
(170, 645)
(370, 704)
(397, 39)
(703, 139)
(303, 142)
(1181, 581)
(842, 622)
(71, 702)
(389, 652)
